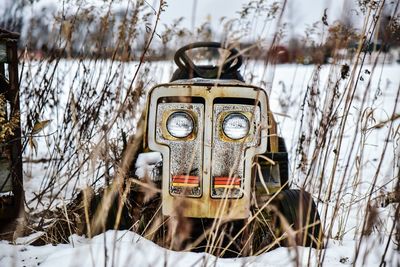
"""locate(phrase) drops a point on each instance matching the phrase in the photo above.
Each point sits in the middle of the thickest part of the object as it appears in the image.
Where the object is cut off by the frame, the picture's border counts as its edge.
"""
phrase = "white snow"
(26, 240)
(145, 164)
(287, 85)
(125, 248)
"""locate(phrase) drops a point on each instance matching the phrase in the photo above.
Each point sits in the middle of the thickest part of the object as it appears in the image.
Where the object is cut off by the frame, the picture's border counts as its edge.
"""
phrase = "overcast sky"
(299, 13)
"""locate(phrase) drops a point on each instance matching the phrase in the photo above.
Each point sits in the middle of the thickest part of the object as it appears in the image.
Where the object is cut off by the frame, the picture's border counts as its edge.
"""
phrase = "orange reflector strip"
(184, 185)
(185, 181)
(226, 182)
(186, 177)
(227, 186)
(226, 179)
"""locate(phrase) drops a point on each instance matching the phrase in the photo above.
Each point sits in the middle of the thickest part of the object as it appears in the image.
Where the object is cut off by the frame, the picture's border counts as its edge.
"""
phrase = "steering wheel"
(232, 63)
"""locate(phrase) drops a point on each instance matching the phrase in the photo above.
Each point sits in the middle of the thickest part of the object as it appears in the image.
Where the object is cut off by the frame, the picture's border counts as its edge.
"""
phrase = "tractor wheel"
(296, 209)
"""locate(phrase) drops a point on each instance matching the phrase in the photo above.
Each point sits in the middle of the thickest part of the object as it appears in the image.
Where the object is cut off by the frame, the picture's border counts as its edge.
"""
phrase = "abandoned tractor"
(208, 170)
(212, 151)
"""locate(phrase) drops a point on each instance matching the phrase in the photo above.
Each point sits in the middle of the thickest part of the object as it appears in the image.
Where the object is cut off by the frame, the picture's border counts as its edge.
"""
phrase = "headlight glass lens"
(180, 124)
(236, 126)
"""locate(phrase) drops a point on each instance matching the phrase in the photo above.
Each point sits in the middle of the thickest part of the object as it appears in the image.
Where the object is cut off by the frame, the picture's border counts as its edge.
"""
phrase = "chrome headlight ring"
(180, 124)
(236, 126)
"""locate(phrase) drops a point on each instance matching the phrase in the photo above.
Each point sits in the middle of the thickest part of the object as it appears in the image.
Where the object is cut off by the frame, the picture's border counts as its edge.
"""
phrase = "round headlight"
(180, 124)
(236, 126)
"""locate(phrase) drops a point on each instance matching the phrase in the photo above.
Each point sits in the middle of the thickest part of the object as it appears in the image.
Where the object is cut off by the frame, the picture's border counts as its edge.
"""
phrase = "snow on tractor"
(212, 150)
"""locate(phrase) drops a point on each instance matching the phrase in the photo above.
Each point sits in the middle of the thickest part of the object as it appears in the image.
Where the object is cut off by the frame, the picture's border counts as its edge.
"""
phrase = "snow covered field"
(300, 96)
(124, 248)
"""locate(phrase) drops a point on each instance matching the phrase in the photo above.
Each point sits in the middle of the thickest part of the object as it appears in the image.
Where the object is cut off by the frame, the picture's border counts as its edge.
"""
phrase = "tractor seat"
(209, 72)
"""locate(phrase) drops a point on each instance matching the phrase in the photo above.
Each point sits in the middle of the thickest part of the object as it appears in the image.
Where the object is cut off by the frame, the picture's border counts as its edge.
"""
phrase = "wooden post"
(11, 204)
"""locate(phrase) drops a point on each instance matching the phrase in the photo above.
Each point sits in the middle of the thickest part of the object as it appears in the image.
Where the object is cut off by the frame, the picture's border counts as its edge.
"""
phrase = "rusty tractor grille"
(227, 171)
(186, 159)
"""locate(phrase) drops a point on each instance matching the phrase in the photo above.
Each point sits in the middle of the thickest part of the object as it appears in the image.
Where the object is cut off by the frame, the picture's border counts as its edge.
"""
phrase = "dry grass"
(96, 130)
